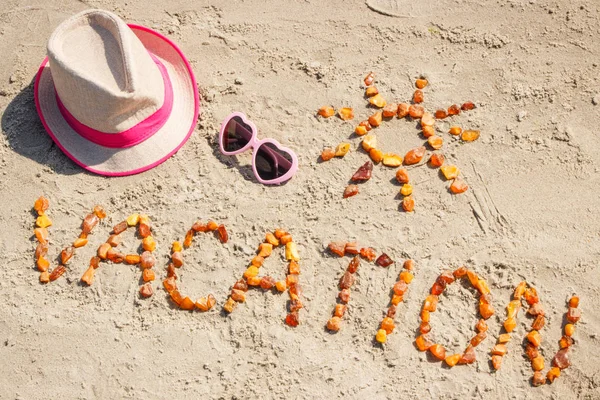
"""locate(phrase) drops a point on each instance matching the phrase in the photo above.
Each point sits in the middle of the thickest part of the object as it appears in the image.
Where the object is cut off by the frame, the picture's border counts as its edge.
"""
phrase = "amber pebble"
(536, 309)
(387, 324)
(89, 222)
(326, 111)
(455, 130)
(344, 295)
(296, 305)
(430, 303)
(346, 113)
(534, 338)
(364, 172)
(423, 343)
(241, 285)
(45, 277)
(369, 79)
(120, 227)
(381, 336)
(132, 259)
(553, 374)
(418, 96)
(469, 356)
(406, 277)
(202, 304)
(400, 288)
(512, 309)
(285, 239)
(266, 249)
(238, 295)
(537, 364)
(428, 131)
(376, 119)
(354, 264)
(43, 221)
(538, 323)
(408, 204)
(57, 272)
(435, 142)
(573, 315)
(402, 175)
(337, 248)
(414, 156)
(41, 234)
(510, 324)
(267, 282)
(80, 242)
(504, 338)
(251, 271)
(327, 154)
(114, 240)
(452, 360)
(147, 260)
(574, 302)
(415, 111)
(41, 250)
(144, 230)
(438, 351)
(531, 296)
(520, 290)
(424, 327)
(339, 310)
(291, 252)
(371, 91)
(66, 254)
(187, 304)
(169, 284)
(392, 160)
(378, 101)
(538, 379)
(396, 299)
(280, 286)
(561, 359)
(351, 248)
(334, 324)
(437, 289)
(569, 329)
(149, 244)
(454, 109)
(293, 267)
(391, 312)
(42, 264)
(146, 290)
(441, 114)
(189, 236)
(478, 339)
(446, 277)
(469, 135)
(390, 110)
(496, 362)
(531, 351)
(406, 189)
(367, 253)
(460, 272)
(360, 131)
(133, 219)
(384, 260)
(467, 106)
(95, 262)
(347, 280)
(292, 319)
(342, 149)
(450, 171)
(103, 250)
(486, 310)
(148, 275)
(211, 301)
(279, 233)
(113, 255)
(351, 190)
(291, 280)
(369, 142)
(229, 305)
(41, 205)
(403, 109)
(421, 83)
(222, 233)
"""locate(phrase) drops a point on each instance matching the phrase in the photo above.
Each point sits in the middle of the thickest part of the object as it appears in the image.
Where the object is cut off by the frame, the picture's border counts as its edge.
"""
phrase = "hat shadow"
(26, 135)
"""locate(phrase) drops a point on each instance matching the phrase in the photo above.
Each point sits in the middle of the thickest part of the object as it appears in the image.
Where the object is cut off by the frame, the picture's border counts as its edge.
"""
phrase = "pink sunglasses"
(271, 162)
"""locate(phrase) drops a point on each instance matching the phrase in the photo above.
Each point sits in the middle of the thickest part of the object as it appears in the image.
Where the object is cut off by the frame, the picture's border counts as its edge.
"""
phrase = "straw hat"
(117, 99)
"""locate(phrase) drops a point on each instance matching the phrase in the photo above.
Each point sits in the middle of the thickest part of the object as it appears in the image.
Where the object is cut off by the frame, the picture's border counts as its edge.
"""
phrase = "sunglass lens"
(272, 162)
(237, 135)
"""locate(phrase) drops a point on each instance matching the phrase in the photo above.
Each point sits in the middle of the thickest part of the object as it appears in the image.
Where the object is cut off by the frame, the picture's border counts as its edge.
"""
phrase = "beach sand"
(532, 69)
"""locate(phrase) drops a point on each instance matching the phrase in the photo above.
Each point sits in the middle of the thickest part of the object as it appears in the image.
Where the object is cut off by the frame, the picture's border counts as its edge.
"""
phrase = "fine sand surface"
(532, 68)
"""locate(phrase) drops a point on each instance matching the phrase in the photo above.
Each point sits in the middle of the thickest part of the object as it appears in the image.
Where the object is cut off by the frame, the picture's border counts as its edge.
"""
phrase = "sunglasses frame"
(255, 143)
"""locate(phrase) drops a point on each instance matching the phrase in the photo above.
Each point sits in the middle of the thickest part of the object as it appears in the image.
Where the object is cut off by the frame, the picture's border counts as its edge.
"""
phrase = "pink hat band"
(134, 135)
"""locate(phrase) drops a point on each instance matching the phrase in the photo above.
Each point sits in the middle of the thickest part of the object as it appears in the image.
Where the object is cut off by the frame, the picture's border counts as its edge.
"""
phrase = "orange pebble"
(327, 154)
(408, 204)
(369, 79)
(441, 114)
(415, 111)
(428, 131)
(427, 119)
(455, 130)
(390, 110)
(402, 175)
(360, 130)
(437, 160)
(346, 113)
(371, 91)
(421, 83)
(458, 186)
(452, 360)
(435, 142)
(403, 109)
(438, 351)
(378, 101)
(375, 119)
(470, 135)
(376, 155)
(414, 156)
(418, 96)
(326, 111)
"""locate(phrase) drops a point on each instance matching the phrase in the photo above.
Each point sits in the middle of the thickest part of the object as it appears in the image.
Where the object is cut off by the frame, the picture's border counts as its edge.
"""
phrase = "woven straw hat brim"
(141, 157)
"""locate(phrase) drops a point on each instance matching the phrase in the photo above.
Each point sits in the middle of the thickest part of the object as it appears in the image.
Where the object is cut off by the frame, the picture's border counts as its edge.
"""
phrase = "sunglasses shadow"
(232, 161)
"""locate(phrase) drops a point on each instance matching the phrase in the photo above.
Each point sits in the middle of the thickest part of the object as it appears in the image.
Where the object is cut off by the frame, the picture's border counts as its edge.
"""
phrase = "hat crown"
(102, 73)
